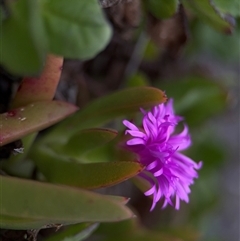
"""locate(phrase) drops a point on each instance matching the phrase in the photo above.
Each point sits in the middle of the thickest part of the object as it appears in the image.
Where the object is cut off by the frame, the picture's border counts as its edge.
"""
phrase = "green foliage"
(73, 29)
(208, 12)
(66, 170)
(162, 8)
(48, 152)
(85, 141)
(231, 7)
(88, 176)
(23, 40)
(39, 204)
(65, 167)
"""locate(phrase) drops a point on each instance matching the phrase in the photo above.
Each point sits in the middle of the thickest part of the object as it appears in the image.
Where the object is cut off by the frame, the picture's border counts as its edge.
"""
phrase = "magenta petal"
(177, 204)
(145, 126)
(165, 204)
(150, 191)
(158, 173)
(153, 206)
(151, 165)
(135, 141)
(182, 140)
(199, 165)
(136, 133)
(130, 125)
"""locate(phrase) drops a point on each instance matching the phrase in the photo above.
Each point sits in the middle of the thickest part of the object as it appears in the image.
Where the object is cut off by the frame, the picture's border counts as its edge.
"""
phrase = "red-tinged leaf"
(42, 88)
(34, 117)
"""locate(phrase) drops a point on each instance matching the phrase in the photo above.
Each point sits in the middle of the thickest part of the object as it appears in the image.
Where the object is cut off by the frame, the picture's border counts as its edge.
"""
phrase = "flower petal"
(135, 141)
(129, 125)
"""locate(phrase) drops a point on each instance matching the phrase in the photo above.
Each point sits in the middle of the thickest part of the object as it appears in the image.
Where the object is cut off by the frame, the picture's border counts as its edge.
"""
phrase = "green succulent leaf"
(86, 140)
(15, 222)
(22, 40)
(208, 12)
(64, 170)
(75, 29)
(230, 7)
(105, 109)
(162, 8)
(40, 204)
(93, 175)
(95, 145)
(34, 117)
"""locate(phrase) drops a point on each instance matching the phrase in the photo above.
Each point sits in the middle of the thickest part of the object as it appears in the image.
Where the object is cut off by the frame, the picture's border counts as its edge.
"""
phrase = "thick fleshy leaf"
(75, 29)
(23, 42)
(29, 91)
(110, 151)
(94, 145)
(15, 222)
(105, 109)
(86, 140)
(60, 169)
(32, 90)
(41, 203)
(91, 176)
(162, 8)
(208, 12)
(42, 88)
(31, 118)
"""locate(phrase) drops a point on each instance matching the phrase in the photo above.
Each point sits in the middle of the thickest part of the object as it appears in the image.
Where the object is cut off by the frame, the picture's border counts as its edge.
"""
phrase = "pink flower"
(169, 172)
